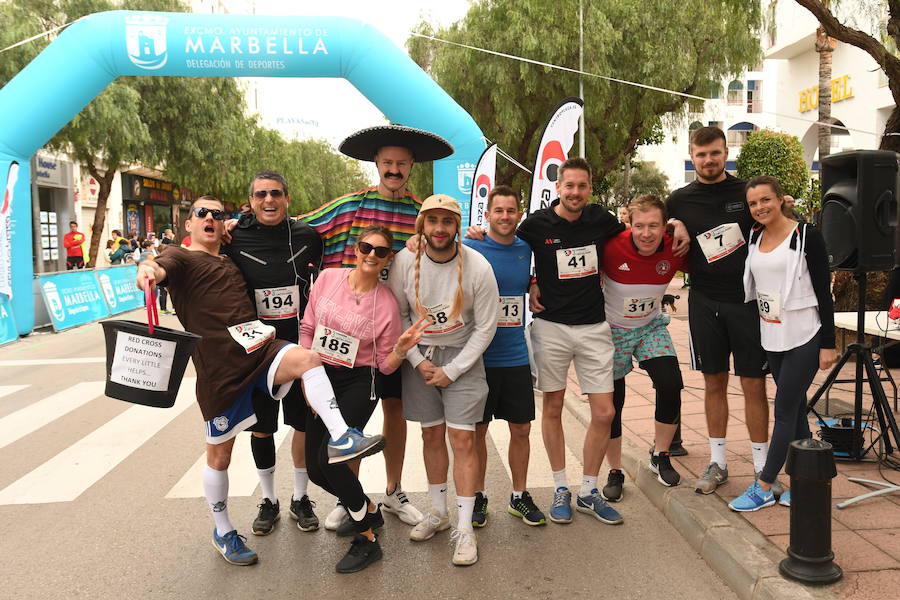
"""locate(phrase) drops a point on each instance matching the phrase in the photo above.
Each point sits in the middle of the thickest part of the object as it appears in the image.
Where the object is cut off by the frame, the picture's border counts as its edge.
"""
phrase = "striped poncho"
(340, 221)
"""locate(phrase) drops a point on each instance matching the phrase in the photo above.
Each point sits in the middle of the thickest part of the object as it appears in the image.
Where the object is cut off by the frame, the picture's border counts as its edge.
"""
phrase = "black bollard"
(676, 448)
(810, 464)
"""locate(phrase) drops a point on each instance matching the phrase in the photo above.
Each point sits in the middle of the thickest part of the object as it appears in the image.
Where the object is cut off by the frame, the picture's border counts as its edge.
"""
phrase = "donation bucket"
(145, 363)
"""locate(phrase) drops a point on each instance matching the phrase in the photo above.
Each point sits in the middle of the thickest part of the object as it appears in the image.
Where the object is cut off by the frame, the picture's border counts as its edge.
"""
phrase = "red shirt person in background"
(74, 252)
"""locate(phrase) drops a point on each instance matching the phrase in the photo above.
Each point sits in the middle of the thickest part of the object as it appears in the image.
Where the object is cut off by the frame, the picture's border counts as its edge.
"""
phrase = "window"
(754, 96)
(735, 93)
(738, 133)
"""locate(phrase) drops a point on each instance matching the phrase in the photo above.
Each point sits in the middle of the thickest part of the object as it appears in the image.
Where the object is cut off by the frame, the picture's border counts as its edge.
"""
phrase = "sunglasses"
(218, 215)
(261, 194)
(380, 251)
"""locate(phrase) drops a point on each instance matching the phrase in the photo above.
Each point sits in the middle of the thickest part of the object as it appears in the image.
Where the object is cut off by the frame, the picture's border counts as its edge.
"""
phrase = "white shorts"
(557, 345)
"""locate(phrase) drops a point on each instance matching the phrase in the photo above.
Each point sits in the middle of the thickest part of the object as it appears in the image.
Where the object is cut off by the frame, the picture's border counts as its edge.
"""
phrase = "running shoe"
(353, 444)
(677, 449)
(753, 498)
(302, 512)
(598, 507)
(268, 515)
(561, 508)
(712, 477)
(777, 487)
(465, 548)
(525, 509)
(430, 524)
(785, 498)
(614, 489)
(232, 547)
(665, 472)
(348, 527)
(336, 517)
(361, 554)
(398, 504)
(479, 515)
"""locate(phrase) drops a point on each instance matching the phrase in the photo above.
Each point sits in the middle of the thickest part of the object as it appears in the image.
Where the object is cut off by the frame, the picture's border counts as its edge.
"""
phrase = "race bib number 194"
(278, 303)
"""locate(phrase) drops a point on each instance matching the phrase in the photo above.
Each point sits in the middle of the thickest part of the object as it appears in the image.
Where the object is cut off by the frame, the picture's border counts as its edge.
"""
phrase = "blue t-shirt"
(512, 268)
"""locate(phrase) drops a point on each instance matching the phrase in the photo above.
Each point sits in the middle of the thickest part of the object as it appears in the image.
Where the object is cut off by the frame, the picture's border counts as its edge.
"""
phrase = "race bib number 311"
(252, 335)
(572, 263)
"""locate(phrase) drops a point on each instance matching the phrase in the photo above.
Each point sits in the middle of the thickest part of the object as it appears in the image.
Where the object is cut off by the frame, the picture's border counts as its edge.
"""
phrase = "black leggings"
(799, 366)
(352, 388)
(665, 374)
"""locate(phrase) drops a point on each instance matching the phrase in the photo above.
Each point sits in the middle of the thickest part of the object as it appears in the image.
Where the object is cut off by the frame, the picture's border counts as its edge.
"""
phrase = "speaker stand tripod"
(864, 364)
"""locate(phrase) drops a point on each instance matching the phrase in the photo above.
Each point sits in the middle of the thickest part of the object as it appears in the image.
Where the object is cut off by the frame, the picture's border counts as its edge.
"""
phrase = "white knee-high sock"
(321, 398)
(215, 486)
(267, 483)
(760, 451)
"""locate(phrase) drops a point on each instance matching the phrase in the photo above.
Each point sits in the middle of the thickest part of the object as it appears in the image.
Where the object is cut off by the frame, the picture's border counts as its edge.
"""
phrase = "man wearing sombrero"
(394, 149)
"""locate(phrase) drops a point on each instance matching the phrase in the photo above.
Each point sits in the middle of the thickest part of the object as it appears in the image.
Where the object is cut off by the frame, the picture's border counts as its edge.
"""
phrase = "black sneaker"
(479, 515)
(525, 509)
(665, 472)
(348, 528)
(302, 512)
(362, 553)
(268, 515)
(614, 488)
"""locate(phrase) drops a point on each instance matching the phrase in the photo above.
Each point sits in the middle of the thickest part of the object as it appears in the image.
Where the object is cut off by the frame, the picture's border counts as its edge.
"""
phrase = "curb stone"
(739, 554)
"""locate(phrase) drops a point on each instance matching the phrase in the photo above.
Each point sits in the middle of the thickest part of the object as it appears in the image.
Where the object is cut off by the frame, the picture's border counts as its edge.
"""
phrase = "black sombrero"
(425, 146)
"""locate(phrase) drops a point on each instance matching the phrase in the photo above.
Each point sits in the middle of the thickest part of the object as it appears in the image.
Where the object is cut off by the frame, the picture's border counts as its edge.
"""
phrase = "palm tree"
(825, 47)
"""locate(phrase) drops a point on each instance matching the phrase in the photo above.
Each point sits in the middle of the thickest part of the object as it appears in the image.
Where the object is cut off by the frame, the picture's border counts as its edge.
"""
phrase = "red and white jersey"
(633, 285)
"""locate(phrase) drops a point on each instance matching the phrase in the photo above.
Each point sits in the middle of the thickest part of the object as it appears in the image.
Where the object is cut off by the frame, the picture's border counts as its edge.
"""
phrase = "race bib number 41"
(719, 242)
(278, 303)
(335, 347)
(252, 335)
(572, 263)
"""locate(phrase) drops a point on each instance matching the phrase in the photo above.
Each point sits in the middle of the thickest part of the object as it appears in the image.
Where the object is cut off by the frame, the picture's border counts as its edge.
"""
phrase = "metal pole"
(581, 77)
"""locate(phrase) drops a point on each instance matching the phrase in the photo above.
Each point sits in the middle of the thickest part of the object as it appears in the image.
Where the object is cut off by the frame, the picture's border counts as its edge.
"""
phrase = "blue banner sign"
(8, 332)
(72, 298)
(119, 289)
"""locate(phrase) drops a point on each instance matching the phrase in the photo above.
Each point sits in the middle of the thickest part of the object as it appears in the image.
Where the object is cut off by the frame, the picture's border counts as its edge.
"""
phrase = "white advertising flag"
(557, 140)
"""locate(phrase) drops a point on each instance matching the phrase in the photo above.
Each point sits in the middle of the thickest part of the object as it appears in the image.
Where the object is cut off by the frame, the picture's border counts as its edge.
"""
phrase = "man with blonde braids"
(444, 385)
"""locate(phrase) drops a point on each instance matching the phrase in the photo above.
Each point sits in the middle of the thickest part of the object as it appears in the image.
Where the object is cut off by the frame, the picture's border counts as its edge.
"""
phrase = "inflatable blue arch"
(95, 50)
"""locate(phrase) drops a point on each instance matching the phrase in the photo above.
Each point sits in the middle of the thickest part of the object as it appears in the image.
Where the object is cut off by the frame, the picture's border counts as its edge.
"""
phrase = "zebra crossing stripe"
(68, 474)
(29, 419)
(6, 390)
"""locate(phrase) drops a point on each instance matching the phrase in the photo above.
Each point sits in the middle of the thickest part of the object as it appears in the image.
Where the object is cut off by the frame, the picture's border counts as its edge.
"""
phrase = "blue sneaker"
(754, 498)
(599, 508)
(232, 547)
(561, 509)
(785, 498)
(353, 444)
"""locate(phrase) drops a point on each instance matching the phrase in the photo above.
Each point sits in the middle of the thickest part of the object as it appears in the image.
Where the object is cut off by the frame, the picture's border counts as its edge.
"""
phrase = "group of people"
(434, 326)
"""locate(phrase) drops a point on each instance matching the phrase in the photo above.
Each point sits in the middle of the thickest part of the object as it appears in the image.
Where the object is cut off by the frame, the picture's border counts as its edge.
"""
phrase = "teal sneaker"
(754, 498)
(785, 498)
(232, 547)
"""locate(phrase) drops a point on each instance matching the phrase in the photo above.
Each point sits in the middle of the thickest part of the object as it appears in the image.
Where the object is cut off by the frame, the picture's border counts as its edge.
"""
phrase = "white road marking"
(242, 476)
(6, 390)
(34, 416)
(68, 474)
(37, 362)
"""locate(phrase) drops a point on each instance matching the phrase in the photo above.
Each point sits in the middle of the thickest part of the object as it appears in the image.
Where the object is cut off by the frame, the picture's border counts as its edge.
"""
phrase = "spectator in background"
(73, 242)
(623, 216)
(146, 252)
(122, 253)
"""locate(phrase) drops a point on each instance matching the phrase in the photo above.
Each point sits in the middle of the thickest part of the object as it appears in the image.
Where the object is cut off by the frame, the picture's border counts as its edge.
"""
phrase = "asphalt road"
(102, 499)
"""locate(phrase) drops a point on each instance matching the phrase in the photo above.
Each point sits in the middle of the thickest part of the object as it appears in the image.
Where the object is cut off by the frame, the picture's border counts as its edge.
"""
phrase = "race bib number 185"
(335, 347)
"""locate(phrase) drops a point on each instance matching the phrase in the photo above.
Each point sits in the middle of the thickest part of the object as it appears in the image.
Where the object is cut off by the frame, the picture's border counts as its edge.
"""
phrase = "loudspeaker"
(859, 209)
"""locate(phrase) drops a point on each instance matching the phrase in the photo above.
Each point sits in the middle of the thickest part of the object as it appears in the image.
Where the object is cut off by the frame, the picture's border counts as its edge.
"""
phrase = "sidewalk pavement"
(745, 548)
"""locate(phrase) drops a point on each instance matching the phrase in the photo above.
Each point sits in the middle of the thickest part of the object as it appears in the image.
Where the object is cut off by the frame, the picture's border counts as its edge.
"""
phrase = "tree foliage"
(683, 45)
(778, 155)
(645, 178)
(193, 129)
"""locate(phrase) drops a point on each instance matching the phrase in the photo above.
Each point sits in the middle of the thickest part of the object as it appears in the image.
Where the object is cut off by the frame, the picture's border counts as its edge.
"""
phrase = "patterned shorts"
(648, 341)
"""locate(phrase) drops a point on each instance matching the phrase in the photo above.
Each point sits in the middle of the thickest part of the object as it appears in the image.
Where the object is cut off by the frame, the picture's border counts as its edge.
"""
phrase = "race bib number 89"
(769, 306)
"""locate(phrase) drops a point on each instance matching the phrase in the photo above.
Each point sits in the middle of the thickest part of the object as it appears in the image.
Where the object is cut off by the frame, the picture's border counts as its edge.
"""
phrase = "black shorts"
(721, 329)
(74, 262)
(389, 386)
(266, 409)
(510, 395)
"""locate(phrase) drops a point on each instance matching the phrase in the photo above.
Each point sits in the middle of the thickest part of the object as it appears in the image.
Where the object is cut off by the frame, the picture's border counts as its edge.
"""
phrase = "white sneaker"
(398, 504)
(337, 517)
(465, 551)
(428, 526)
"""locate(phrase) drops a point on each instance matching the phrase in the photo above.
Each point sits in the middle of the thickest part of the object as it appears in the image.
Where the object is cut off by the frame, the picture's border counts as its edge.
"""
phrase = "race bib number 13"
(572, 263)
(252, 335)
(511, 310)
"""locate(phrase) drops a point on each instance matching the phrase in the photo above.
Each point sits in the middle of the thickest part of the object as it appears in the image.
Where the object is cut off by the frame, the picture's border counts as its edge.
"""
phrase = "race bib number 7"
(572, 263)
(252, 335)
(719, 242)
